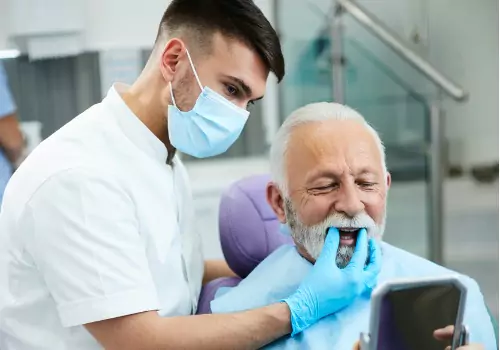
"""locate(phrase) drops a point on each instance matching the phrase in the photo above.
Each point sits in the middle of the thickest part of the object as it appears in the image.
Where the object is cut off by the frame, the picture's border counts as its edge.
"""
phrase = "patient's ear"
(275, 200)
(388, 180)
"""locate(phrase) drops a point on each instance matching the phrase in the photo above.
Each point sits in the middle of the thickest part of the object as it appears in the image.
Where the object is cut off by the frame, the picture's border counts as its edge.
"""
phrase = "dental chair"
(249, 232)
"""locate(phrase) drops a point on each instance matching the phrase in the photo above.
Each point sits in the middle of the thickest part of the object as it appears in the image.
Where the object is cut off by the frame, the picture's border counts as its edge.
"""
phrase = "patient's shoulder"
(272, 280)
(409, 265)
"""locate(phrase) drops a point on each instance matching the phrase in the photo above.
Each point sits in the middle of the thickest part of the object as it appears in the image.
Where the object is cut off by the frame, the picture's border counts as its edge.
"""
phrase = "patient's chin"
(344, 255)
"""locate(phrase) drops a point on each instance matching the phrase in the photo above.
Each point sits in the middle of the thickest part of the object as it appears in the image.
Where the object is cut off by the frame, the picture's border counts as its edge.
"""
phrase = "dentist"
(97, 248)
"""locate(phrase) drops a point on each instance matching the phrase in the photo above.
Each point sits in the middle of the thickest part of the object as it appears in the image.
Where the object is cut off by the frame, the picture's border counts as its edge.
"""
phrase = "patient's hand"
(441, 334)
(447, 334)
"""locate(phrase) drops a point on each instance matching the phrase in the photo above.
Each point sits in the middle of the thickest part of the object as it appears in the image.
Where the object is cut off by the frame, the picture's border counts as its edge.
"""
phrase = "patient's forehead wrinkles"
(331, 149)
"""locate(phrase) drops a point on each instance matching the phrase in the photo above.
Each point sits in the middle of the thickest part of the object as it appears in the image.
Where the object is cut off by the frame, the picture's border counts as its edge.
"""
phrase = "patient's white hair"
(314, 112)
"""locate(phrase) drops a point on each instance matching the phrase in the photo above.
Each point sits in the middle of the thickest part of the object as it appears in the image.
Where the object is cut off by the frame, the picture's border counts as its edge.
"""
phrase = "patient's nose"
(348, 201)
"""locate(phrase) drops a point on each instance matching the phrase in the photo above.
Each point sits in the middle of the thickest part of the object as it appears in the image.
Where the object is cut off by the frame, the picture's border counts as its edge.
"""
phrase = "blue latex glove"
(328, 289)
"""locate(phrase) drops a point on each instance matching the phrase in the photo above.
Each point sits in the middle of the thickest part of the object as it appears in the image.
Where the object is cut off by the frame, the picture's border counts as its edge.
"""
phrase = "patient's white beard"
(312, 238)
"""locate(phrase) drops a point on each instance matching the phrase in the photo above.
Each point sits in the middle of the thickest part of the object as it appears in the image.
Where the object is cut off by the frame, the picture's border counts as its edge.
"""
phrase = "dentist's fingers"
(331, 245)
(360, 252)
(375, 256)
(374, 265)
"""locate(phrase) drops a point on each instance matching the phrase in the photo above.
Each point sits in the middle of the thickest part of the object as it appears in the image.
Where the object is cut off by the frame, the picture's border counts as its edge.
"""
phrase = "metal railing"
(378, 28)
(444, 85)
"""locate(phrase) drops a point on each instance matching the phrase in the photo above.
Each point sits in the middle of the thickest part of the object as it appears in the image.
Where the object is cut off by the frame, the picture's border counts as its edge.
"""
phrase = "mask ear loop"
(195, 75)
(194, 70)
(172, 93)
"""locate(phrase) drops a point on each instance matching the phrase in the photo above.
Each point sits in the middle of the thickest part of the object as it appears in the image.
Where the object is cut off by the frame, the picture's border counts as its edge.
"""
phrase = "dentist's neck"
(145, 98)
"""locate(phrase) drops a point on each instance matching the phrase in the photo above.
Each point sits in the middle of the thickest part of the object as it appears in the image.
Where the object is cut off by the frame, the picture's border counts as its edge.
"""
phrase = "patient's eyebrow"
(365, 171)
(322, 173)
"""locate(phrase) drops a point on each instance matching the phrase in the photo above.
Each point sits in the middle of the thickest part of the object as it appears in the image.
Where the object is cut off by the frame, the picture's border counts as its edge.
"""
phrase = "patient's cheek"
(375, 208)
(314, 210)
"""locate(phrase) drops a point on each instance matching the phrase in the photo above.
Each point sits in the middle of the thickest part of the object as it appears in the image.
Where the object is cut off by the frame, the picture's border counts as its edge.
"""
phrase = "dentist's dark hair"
(238, 19)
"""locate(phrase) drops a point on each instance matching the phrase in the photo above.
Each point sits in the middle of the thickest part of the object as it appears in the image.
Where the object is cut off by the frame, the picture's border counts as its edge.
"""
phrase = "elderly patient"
(328, 170)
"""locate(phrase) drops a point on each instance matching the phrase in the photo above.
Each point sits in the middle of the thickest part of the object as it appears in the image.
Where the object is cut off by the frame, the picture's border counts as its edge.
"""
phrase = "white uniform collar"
(132, 126)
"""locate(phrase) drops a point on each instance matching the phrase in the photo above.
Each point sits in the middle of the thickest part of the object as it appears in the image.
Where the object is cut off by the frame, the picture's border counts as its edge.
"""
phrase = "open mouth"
(348, 235)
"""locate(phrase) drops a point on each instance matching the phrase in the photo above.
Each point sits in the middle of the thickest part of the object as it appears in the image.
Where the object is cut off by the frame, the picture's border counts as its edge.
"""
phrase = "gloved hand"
(328, 289)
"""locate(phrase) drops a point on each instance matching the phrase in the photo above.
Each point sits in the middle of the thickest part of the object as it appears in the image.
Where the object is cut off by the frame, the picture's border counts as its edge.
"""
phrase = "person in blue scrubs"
(11, 138)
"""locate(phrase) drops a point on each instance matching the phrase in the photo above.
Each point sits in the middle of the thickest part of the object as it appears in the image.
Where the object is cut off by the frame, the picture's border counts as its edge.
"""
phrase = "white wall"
(114, 24)
(111, 24)
(3, 24)
(128, 24)
(464, 44)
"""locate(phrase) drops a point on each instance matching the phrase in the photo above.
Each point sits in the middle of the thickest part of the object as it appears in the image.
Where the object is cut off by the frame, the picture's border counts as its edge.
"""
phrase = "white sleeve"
(84, 237)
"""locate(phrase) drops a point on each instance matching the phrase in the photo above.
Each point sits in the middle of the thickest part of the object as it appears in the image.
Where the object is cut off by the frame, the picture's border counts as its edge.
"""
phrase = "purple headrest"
(249, 230)
(210, 289)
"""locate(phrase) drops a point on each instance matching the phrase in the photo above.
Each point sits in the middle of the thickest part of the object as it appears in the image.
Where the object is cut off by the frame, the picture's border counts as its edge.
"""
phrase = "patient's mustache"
(339, 220)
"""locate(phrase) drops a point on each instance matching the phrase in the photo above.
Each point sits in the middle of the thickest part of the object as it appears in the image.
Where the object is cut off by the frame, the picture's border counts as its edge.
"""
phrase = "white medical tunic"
(95, 225)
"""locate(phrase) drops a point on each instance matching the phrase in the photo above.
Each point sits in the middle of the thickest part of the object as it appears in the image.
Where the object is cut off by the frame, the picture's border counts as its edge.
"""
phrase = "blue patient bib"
(280, 274)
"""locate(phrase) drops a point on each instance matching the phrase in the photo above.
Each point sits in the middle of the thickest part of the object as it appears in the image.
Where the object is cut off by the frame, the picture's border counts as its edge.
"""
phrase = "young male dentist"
(96, 243)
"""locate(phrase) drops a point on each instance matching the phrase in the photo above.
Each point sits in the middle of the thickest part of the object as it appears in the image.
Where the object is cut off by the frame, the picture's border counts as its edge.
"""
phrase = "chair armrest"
(210, 289)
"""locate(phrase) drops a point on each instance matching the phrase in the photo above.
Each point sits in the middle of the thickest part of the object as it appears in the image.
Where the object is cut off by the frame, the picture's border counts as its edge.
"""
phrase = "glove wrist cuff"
(297, 321)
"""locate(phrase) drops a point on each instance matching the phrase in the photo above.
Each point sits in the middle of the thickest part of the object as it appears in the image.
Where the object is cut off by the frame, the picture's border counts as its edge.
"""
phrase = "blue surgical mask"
(210, 128)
